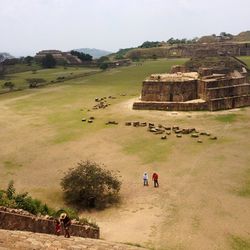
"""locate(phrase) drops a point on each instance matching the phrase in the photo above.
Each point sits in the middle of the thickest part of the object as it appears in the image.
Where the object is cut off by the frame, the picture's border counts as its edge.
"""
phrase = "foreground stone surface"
(27, 240)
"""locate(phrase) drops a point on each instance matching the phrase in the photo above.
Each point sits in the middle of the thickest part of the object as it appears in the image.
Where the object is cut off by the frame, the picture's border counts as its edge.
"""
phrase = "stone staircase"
(22, 240)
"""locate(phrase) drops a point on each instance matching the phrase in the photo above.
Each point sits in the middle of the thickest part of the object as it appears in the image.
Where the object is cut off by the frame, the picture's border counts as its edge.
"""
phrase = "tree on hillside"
(103, 59)
(48, 61)
(89, 185)
(28, 60)
(82, 56)
(149, 44)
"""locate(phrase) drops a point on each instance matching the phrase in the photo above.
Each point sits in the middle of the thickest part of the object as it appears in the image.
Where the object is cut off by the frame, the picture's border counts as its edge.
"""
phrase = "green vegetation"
(104, 66)
(89, 185)
(148, 44)
(9, 198)
(245, 59)
(49, 75)
(48, 61)
(245, 189)
(238, 243)
(146, 149)
(82, 56)
(71, 104)
(227, 118)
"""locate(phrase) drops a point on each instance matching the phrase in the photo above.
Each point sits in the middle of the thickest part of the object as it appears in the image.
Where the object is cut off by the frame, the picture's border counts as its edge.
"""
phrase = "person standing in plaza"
(145, 179)
(155, 178)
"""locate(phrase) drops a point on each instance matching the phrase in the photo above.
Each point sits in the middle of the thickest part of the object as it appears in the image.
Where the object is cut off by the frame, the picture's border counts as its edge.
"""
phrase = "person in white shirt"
(145, 179)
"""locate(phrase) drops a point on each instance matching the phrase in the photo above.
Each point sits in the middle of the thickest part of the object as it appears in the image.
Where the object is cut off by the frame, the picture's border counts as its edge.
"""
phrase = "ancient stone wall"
(13, 221)
(205, 84)
(229, 102)
(169, 91)
(228, 91)
(170, 106)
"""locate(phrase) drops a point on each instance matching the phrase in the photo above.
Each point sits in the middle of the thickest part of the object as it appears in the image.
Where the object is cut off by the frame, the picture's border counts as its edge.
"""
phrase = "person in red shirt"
(57, 227)
(155, 179)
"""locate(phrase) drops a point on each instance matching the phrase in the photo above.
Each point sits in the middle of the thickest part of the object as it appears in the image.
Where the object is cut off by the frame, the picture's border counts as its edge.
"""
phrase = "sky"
(28, 26)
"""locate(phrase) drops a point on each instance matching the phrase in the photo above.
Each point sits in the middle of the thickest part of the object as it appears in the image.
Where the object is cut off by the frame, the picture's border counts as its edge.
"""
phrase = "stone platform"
(36, 241)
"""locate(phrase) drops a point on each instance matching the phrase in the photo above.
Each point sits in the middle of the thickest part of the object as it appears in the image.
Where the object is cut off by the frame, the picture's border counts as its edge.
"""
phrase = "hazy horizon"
(29, 26)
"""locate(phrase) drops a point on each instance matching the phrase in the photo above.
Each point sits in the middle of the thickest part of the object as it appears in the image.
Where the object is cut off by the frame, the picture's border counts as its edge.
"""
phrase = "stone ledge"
(32, 241)
(15, 221)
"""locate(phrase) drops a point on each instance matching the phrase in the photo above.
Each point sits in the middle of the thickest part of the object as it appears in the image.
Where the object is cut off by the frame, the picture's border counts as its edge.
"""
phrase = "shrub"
(9, 85)
(90, 186)
(9, 198)
(104, 66)
(35, 82)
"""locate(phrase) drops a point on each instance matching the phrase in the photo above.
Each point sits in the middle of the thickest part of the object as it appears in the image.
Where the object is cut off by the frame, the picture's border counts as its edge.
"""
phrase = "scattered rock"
(128, 123)
(151, 125)
(84, 119)
(152, 130)
(175, 128)
(167, 128)
(112, 122)
(178, 135)
(213, 138)
(177, 131)
(143, 124)
(194, 135)
(164, 137)
(90, 121)
(159, 132)
(136, 124)
(199, 141)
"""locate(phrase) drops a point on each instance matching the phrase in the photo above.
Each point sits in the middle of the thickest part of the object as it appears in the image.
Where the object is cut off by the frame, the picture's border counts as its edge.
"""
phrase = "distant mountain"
(4, 56)
(96, 53)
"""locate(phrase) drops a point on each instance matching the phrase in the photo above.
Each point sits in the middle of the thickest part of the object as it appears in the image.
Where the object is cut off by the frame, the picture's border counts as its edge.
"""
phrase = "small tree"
(104, 66)
(28, 60)
(48, 61)
(88, 185)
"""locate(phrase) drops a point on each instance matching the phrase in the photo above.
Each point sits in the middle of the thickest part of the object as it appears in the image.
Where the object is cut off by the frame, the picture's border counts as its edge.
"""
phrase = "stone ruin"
(208, 88)
(18, 219)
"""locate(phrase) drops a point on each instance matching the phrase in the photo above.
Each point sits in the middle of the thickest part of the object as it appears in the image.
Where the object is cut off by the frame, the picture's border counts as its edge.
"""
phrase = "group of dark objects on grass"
(63, 222)
(155, 178)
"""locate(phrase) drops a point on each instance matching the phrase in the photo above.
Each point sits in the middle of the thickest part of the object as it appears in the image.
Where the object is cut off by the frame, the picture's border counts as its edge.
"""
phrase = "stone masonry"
(10, 240)
(14, 221)
(208, 89)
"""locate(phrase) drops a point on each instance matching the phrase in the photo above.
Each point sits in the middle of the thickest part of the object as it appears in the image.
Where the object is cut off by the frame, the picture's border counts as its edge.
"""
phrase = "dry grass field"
(204, 195)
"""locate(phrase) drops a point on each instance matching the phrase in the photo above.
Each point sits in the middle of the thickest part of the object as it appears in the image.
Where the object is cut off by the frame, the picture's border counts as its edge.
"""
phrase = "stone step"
(31, 241)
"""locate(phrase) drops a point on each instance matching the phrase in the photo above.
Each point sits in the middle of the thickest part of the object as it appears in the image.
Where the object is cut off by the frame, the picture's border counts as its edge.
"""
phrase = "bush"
(90, 186)
(35, 82)
(104, 66)
(9, 198)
